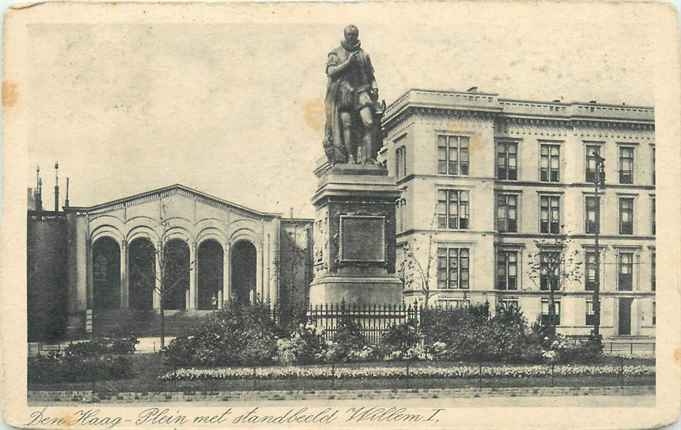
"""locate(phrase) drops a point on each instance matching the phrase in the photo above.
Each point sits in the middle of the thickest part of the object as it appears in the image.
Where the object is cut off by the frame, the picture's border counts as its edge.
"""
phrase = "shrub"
(103, 345)
(347, 344)
(401, 337)
(303, 346)
(55, 368)
(236, 335)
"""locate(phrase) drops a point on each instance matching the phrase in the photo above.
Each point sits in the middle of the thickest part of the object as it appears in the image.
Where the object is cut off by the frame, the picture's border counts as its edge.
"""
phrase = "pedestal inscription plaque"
(362, 238)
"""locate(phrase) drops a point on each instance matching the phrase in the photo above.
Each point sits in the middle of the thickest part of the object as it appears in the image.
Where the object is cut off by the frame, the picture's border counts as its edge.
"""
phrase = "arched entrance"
(243, 267)
(106, 273)
(210, 274)
(176, 274)
(142, 266)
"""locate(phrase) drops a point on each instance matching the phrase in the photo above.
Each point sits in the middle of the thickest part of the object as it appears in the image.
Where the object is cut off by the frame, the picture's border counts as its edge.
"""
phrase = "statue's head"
(351, 33)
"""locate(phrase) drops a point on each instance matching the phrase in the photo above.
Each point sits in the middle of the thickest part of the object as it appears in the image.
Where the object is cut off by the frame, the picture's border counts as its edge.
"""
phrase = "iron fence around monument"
(373, 320)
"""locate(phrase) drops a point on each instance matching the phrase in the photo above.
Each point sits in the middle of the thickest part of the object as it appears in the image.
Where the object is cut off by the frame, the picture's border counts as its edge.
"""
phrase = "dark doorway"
(106, 273)
(142, 263)
(243, 268)
(210, 274)
(625, 317)
(176, 274)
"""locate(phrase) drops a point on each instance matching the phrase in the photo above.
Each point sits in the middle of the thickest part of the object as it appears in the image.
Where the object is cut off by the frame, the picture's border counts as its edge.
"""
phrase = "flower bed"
(465, 371)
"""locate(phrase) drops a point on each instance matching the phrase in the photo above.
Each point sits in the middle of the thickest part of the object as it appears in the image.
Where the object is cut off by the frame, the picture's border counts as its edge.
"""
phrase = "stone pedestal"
(354, 236)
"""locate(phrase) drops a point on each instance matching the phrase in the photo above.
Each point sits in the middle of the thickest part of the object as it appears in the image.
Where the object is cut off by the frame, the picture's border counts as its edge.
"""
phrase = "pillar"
(193, 273)
(125, 286)
(90, 276)
(226, 295)
(156, 299)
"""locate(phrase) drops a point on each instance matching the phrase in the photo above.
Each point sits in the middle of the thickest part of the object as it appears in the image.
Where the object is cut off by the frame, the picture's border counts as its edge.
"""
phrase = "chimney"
(38, 194)
(291, 213)
(56, 186)
(66, 200)
(31, 199)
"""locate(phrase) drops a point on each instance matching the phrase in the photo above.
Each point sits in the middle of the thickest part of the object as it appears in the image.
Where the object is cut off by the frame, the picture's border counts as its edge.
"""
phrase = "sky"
(236, 109)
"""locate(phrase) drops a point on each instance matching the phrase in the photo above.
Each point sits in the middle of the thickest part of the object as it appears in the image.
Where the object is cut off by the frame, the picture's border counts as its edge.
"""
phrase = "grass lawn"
(147, 367)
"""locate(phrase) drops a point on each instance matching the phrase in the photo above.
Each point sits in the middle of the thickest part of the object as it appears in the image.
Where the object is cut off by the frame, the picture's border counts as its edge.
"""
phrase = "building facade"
(110, 259)
(490, 186)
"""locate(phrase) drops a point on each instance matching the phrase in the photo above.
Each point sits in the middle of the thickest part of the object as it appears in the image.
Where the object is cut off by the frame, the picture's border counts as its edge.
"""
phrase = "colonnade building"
(489, 183)
(105, 262)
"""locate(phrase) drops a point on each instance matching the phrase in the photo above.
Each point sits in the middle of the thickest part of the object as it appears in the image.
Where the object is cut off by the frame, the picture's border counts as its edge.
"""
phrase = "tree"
(555, 262)
(415, 266)
(170, 277)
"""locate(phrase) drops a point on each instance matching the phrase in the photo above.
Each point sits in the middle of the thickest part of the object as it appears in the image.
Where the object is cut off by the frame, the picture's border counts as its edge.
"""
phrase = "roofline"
(504, 99)
(182, 187)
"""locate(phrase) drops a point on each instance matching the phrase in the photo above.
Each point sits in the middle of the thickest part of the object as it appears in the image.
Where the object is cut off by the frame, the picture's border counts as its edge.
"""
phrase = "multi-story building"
(488, 184)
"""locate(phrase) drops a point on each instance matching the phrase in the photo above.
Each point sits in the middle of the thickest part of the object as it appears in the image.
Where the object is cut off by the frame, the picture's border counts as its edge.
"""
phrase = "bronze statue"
(352, 131)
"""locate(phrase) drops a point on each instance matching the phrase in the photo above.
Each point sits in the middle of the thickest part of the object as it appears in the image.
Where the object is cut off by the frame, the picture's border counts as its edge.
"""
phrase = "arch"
(244, 264)
(176, 269)
(104, 231)
(210, 273)
(142, 267)
(106, 273)
(211, 232)
(142, 231)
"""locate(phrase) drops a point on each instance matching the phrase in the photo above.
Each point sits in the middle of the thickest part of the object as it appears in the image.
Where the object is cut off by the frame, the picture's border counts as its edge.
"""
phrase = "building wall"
(295, 265)
(414, 122)
(46, 275)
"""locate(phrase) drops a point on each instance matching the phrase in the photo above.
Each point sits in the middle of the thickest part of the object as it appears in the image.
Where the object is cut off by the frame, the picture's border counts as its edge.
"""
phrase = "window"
(507, 270)
(545, 311)
(591, 164)
(509, 303)
(652, 271)
(625, 269)
(452, 209)
(590, 271)
(454, 303)
(652, 216)
(452, 155)
(452, 268)
(400, 162)
(626, 165)
(401, 214)
(549, 214)
(590, 316)
(549, 270)
(549, 164)
(652, 162)
(507, 212)
(626, 215)
(507, 160)
(654, 313)
(590, 221)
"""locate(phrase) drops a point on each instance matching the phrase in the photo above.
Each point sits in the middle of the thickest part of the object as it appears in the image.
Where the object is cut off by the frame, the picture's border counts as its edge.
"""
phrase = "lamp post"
(599, 181)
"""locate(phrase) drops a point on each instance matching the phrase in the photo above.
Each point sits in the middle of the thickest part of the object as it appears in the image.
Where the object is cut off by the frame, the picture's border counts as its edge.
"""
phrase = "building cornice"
(572, 115)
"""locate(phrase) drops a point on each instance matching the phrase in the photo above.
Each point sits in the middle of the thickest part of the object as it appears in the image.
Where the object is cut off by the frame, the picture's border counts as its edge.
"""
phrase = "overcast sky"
(236, 110)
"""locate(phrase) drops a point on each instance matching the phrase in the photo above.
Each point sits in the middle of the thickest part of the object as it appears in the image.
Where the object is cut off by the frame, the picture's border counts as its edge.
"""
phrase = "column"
(226, 293)
(193, 272)
(156, 299)
(90, 276)
(125, 286)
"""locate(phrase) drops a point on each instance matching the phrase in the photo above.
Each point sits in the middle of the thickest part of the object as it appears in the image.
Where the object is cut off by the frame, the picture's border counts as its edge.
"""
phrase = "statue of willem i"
(353, 114)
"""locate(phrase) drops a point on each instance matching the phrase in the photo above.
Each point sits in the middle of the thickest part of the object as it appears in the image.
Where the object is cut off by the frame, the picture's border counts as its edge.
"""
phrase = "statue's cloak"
(340, 92)
(333, 134)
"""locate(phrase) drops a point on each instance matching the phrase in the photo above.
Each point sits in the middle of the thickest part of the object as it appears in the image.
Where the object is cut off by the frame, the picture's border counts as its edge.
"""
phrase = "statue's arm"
(334, 68)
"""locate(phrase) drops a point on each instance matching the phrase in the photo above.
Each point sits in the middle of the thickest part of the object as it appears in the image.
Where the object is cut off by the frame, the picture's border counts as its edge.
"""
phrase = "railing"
(373, 320)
